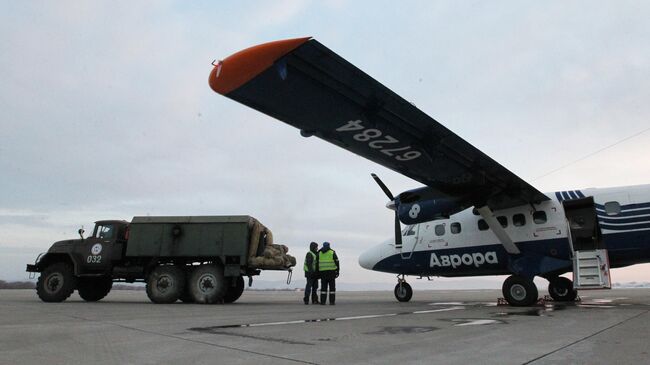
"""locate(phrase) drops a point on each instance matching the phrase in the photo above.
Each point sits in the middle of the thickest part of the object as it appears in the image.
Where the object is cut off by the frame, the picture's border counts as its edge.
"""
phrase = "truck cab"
(105, 246)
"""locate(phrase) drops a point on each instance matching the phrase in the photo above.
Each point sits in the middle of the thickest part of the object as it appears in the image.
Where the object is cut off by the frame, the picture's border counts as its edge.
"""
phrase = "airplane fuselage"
(463, 245)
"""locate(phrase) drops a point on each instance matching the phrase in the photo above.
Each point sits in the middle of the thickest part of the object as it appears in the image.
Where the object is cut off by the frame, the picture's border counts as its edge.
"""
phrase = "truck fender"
(50, 258)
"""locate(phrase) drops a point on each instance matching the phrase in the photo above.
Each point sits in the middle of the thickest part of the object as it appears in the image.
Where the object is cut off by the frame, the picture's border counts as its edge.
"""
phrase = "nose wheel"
(403, 291)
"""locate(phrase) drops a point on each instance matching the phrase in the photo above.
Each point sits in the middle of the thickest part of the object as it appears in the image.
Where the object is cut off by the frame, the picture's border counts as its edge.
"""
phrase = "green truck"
(200, 259)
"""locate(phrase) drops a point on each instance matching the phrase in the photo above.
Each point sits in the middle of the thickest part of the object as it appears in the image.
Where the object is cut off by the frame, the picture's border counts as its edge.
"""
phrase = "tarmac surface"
(441, 327)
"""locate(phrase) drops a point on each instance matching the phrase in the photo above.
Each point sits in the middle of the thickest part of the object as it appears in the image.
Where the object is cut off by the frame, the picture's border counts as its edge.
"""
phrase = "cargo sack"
(275, 257)
(256, 229)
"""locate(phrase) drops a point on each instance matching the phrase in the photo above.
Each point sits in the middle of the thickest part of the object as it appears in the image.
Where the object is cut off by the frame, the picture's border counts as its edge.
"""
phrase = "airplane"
(473, 216)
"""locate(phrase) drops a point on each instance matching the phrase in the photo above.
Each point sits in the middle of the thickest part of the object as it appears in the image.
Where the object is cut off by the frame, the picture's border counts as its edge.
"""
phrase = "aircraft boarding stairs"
(591, 269)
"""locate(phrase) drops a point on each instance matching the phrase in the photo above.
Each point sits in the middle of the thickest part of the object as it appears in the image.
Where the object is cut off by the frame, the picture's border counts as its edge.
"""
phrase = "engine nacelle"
(415, 206)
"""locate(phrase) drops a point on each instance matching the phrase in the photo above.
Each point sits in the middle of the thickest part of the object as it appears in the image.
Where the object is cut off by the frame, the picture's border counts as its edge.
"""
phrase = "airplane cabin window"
(503, 220)
(475, 211)
(409, 230)
(518, 220)
(612, 208)
(455, 228)
(482, 225)
(539, 217)
(440, 229)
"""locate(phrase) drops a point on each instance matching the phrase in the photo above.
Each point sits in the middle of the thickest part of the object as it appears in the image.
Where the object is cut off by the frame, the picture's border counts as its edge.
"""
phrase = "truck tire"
(165, 284)
(234, 290)
(94, 289)
(186, 297)
(207, 284)
(56, 282)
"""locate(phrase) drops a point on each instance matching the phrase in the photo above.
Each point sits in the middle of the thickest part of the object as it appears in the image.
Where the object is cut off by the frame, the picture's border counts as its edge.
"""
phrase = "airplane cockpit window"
(455, 228)
(518, 220)
(482, 225)
(539, 217)
(612, 208)
(440, 229)
(503, 220)
(409, 230)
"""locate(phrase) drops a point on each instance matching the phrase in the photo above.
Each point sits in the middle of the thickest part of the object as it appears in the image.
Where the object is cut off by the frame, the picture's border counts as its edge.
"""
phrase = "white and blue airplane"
(472, 216)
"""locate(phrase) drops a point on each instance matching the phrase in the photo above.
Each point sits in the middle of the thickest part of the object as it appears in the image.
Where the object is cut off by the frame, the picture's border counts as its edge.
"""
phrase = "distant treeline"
(17, 284)
(32, 285)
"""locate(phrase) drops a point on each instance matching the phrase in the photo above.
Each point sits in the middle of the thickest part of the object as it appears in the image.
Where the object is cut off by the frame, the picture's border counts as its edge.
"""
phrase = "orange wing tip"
(241, 67)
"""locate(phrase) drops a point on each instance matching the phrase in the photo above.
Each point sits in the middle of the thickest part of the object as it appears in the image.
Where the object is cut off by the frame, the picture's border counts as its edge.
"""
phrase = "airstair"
(591, 270)
(590, 260)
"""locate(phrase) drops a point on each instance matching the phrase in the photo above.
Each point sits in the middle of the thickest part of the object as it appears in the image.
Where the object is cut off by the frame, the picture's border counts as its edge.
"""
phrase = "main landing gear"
(521, 292)
(561, 289)
(403, 291)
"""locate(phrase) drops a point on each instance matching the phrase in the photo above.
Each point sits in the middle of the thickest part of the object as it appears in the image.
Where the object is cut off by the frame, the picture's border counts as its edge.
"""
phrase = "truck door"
(96, 250)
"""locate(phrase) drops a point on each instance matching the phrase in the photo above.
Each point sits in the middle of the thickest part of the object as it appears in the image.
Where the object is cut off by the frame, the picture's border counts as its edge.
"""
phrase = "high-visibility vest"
(313, 262)
(326, 261)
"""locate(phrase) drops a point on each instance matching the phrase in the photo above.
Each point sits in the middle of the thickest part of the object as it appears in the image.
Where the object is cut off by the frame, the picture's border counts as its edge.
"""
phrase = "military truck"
(200, 259)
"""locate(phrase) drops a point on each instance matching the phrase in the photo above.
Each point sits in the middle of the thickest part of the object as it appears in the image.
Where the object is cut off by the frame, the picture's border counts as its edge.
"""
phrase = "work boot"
(332, 299)
(323, 298)
(306, 300)
(314, 299)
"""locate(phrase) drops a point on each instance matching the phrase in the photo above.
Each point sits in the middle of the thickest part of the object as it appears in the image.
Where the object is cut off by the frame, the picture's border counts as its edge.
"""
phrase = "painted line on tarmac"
(302, 321)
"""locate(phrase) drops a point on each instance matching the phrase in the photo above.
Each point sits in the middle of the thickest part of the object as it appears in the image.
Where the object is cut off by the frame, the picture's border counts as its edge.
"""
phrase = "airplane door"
(583, 224)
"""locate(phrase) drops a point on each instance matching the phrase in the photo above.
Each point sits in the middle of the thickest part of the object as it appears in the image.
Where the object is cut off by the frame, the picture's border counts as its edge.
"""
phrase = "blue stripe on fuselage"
(624, 248)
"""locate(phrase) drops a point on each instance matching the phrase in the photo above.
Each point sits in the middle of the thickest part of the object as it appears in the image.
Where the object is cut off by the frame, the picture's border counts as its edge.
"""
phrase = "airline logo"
(476, 259)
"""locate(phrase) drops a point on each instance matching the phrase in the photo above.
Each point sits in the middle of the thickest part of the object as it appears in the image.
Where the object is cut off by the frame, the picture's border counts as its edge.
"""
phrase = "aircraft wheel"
(403, 292)
(561, 289)
(207, 284)
(519, 291)
(165, 284)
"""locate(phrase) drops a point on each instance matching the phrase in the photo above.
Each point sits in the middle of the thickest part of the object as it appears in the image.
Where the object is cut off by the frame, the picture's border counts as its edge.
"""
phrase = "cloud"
(106, 112)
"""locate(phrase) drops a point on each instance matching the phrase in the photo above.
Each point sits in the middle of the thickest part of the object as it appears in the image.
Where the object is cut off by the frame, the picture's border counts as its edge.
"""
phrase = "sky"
(106, 113)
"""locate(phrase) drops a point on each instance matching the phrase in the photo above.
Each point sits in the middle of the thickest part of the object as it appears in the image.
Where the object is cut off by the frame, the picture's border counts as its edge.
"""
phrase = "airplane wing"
(305, 84)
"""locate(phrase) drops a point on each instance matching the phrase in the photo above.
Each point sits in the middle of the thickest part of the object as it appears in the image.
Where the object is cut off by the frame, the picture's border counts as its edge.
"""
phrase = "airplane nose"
(370, 258)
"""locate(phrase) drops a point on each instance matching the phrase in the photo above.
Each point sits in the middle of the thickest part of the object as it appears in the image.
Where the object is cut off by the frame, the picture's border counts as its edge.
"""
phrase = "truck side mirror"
(81, 233)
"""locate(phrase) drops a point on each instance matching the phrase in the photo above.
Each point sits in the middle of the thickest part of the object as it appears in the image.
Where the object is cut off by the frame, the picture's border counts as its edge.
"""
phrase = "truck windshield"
(104, 231)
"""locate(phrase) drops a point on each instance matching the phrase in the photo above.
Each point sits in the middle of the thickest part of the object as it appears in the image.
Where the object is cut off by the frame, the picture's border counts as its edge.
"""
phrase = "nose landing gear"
(403, 291)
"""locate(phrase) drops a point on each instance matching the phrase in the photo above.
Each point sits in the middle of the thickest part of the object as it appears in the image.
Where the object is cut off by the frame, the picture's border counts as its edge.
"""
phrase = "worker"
(311, 275)
(328, 269)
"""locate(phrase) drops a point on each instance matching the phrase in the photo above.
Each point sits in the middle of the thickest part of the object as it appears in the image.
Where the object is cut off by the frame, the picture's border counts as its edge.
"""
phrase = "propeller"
(398, 226)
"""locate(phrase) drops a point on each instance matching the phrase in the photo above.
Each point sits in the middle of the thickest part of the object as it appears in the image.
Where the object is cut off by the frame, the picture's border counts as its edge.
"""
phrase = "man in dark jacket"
(311, 274)
(328, 269)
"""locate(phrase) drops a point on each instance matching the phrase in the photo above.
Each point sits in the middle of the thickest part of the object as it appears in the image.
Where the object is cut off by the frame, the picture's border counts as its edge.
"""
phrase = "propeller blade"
(398, 232)
(383, 187)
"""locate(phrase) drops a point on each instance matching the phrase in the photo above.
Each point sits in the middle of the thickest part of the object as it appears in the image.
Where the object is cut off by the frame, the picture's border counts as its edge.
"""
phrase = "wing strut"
(498, 230)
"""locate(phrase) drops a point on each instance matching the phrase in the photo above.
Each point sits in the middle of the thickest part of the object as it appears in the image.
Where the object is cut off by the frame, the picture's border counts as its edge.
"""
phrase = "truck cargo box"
(195, 236)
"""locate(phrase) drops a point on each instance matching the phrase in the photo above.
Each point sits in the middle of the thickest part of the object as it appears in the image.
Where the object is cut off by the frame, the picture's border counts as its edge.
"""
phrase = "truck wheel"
(234, 290)
(165, 284)
(186, 297)
(56, 283)
(94, 289)
(207, 284)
